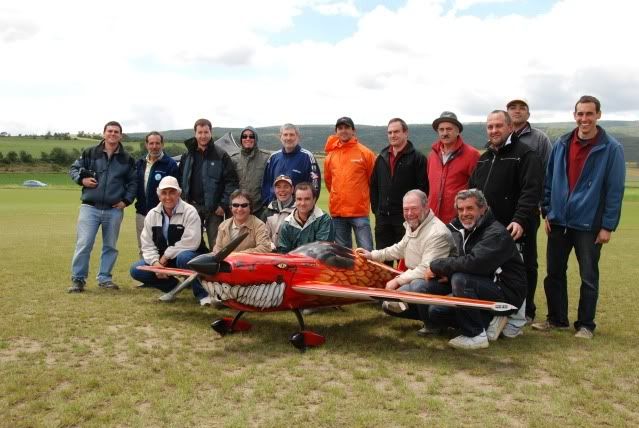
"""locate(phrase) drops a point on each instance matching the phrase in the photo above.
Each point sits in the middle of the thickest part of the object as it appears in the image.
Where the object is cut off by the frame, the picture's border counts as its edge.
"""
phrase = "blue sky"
(72, 65)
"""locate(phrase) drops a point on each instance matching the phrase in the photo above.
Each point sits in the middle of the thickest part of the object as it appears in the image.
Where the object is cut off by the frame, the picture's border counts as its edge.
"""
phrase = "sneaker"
(206, 301)
(394, 307)
(77, 286)
(109, 285)
(428, 331)
(511, 332)
(464, 342)
(546, 326)
(584, 333)
(495, 327)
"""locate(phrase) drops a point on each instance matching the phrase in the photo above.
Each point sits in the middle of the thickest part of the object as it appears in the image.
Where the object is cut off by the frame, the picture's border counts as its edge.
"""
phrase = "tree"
(12, 157)
(25, 157)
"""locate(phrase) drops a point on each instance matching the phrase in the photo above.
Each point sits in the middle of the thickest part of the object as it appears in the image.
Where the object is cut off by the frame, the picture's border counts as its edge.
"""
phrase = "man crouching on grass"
(426, 238)
(488, 267)
(171, 237)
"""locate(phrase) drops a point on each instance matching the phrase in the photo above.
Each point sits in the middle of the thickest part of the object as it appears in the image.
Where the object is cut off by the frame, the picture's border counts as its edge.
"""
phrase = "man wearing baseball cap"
(519, 112)
(279, 208)
(450, 165)
(347, 171)
(171, 237)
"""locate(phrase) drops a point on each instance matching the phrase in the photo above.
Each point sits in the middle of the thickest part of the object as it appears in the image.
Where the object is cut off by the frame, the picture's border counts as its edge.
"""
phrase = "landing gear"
(303, 339)
(224, 326)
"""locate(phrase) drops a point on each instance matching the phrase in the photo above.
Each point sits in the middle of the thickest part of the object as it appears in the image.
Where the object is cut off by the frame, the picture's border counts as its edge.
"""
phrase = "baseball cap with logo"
(345, 121)
(283, 178)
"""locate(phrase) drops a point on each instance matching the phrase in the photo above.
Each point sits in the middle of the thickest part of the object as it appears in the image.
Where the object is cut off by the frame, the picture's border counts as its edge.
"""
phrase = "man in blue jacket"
(106, 173)
(582, 205)
(150, 170)
(293, 161)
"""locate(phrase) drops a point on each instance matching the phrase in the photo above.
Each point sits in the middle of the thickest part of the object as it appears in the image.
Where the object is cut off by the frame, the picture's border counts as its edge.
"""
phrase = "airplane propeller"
(209, 264)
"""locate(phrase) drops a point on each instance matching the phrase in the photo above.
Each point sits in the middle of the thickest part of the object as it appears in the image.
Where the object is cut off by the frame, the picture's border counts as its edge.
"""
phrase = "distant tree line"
(65, 157)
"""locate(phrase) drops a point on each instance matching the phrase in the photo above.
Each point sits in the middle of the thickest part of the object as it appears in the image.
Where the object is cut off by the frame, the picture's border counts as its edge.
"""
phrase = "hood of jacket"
(255, 147)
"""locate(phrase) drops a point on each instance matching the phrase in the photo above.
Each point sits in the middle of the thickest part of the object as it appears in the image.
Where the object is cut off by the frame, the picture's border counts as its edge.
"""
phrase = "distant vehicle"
(34, 183)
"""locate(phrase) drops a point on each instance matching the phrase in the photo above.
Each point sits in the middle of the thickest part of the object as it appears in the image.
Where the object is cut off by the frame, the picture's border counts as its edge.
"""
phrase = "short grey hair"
(290, 126)
(423, 198)
(477, 194)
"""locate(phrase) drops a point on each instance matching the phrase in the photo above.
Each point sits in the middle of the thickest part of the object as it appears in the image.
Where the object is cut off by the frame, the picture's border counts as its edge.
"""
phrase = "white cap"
(169, 182)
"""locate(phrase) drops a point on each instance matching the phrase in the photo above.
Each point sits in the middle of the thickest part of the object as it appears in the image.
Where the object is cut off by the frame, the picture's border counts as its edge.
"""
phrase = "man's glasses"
(236, 205)
(248, 137)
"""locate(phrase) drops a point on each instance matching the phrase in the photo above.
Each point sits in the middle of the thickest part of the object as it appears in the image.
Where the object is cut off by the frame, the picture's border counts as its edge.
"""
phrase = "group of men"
(491, 203)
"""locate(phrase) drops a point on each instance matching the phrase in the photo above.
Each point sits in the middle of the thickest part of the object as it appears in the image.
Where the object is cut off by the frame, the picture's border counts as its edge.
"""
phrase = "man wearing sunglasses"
(250, 163)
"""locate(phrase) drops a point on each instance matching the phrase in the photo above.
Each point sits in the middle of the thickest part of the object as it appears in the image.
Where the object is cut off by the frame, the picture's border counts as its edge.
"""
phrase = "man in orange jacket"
(347, 171)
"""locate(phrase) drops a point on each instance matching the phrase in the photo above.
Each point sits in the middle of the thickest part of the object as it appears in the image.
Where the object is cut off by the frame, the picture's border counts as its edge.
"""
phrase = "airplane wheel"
(221, 326)
(304, 339)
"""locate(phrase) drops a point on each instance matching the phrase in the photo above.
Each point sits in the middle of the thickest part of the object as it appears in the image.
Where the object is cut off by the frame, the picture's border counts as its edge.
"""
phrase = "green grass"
(37, 146)
(124, 359)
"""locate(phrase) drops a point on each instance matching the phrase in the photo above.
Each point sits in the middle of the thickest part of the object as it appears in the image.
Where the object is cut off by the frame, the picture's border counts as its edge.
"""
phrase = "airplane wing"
(368, 293)
(167, 270)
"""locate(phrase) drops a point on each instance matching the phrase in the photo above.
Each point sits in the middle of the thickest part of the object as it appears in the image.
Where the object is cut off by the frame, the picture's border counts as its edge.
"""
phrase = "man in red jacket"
(450, 165)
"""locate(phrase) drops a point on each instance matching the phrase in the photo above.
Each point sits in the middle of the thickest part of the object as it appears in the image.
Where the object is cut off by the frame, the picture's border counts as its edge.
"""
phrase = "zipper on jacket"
(490, 170)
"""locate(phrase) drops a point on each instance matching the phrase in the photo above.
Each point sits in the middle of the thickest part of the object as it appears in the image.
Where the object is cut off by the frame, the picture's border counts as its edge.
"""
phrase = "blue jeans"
(560, 243)
(166, 284)
(421, 312)
(89, 220)
(360, 225)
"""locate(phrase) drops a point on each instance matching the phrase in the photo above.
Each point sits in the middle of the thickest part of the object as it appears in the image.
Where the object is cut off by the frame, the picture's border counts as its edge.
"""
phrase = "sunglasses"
(248, 137)
(236, 205)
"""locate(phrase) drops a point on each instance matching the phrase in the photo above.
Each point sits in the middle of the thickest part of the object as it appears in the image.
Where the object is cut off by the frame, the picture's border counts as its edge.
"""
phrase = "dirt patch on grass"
(19, 346)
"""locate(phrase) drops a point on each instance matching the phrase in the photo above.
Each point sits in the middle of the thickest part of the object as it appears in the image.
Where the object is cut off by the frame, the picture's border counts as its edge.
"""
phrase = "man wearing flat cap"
(519, 112)
(171, 237)
(450, 165)
(347, 171)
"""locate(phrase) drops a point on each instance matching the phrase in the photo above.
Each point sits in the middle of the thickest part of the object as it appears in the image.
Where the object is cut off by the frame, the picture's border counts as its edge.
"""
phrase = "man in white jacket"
(426, 239)
(171, 237)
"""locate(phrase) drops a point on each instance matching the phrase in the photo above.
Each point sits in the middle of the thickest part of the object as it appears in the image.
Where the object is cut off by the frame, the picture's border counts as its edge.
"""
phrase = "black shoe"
(77, 286)
(109, 285)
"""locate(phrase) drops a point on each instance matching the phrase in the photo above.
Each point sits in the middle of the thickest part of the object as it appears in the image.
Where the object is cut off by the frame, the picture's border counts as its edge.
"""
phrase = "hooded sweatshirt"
(250, 165)
(347, 171)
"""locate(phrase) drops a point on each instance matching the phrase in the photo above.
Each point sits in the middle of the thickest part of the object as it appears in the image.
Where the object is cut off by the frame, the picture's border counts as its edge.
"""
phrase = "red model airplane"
(313, 275)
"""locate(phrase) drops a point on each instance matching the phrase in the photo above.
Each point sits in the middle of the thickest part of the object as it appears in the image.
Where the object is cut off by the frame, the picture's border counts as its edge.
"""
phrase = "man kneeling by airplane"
(426, 239)
(171, 237)
(488, 267)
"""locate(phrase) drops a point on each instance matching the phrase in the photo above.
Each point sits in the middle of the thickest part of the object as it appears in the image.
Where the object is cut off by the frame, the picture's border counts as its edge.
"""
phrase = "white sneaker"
(511, 331)
(394, 307)
(206, 301)
(464, 342)
(584, 333)
(495, 327)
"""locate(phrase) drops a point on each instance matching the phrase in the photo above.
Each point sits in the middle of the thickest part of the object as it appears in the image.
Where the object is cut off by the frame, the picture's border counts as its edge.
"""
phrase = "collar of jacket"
(602, 138)
(250, 223)
(334, 143)
(385, 153)
(437, 146)
(317, 212)
(191, 144)
(179, 208)
(295, 151)
(413, 233)
(512, 140)
(99, 150)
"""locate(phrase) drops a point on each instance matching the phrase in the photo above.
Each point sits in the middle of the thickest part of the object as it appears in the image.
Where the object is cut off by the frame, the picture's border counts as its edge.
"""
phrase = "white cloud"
(72, 65)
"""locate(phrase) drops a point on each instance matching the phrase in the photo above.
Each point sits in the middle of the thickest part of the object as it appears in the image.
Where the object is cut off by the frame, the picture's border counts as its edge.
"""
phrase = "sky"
(69, 66)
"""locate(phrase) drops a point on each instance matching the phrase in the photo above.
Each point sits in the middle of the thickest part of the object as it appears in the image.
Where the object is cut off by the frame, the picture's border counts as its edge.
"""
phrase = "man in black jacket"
(207, 178)
(106, 173)
(487, 267)
(510, 174)
(398, 169)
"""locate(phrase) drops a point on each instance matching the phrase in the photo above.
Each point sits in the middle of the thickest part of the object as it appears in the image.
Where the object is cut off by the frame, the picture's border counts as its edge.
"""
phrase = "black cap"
(345, 121)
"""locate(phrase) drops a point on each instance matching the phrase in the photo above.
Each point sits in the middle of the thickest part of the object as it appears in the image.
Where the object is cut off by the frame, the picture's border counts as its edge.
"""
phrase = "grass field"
(124, 359)
(37, 146)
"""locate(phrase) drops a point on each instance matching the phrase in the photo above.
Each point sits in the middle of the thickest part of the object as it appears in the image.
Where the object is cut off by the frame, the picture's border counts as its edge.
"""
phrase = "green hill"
(422, 135)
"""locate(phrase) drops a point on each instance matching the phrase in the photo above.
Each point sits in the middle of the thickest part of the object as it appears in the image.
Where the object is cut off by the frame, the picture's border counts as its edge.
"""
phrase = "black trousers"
(529, 253)
(389, 230)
